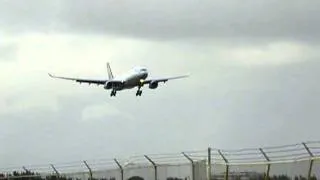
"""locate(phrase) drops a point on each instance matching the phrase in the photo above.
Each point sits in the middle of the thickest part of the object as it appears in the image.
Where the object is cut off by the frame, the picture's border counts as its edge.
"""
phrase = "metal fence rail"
(299, 161)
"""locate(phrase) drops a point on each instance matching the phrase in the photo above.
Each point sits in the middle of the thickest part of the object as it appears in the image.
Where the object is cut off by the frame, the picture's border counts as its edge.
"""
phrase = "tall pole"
(121, 168)
(154, 166)
(192, 165)
(209, 164)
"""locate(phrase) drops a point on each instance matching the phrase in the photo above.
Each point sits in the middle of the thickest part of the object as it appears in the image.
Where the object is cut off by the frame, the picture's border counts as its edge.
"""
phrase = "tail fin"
(110, 75)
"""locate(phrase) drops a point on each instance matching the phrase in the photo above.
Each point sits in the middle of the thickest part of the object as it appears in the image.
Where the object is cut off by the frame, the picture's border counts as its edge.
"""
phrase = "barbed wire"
(272, 154)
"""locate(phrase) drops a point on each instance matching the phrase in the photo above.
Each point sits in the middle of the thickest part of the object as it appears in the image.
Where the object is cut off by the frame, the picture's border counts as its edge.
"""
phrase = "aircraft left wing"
(90, 81)
(148, 81)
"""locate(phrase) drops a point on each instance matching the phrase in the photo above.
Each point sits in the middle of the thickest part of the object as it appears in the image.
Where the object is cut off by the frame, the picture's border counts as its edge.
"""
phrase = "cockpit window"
(139, 69)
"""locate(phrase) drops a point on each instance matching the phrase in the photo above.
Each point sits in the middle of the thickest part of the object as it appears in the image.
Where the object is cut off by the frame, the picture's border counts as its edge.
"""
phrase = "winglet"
(183, 76)
(50, 75)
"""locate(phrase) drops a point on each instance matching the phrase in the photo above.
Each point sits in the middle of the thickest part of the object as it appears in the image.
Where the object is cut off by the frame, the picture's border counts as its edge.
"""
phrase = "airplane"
(136, 77)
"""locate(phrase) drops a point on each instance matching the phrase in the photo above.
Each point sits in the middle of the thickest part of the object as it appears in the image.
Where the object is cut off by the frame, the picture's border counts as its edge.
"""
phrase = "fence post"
(121, 168)
(311, 160)
(226, 177)
(90, 171)
(154, 166)
(209, 165)
(192, 165)
(266, 177)
(25, 169)
(55, 170)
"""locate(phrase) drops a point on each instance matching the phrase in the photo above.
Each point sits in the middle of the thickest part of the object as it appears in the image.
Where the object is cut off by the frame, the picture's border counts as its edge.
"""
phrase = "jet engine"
(108, 85)
(153, 85)
(117, 85)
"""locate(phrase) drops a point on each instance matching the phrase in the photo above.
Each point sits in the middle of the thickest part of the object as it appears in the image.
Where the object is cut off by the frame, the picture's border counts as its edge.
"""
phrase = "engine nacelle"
(108, 85)
(114, 85)
(153, 85)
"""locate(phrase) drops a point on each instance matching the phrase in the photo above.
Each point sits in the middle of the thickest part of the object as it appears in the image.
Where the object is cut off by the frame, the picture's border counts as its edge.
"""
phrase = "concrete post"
(25, 169)
(120, 167)
(266, 177)
(209, 164)
(154, 166)
(192, 165)
(55, 170)
(311, 160)
(90, 171)
(226, 177)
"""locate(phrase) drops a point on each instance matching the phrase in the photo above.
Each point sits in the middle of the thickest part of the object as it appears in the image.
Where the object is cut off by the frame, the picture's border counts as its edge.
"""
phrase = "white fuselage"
(132, 78)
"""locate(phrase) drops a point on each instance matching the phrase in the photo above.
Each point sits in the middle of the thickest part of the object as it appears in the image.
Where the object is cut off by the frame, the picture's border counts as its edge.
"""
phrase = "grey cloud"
(178, 19)
(295, 20)
(279, 106)
(8, 52)
(62, 135)
(35, 15)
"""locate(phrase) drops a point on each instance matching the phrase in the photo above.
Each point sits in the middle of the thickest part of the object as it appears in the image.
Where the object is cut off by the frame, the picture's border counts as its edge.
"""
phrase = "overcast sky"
(254, 69)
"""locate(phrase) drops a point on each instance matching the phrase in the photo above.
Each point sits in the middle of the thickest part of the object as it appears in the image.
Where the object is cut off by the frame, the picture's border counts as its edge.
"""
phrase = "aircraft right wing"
(162, 79)
(90, 81)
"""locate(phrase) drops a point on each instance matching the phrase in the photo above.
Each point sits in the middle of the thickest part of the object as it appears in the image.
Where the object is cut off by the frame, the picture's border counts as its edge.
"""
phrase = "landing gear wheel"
(139, 92)
(113, 93)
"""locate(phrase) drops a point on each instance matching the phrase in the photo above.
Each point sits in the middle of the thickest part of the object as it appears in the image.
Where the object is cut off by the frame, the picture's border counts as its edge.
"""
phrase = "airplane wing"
(148, 81)
(90, 81)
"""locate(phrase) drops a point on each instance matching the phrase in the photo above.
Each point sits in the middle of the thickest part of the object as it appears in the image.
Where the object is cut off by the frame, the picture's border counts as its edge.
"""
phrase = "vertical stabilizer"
(110, 75)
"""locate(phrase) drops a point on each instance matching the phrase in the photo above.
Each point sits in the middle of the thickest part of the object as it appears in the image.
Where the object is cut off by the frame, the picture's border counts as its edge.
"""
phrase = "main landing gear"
(113, 93)
(139, 92)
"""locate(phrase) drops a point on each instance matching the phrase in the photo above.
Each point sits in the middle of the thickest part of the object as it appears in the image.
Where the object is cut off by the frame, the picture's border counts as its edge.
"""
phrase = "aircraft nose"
(145, 75)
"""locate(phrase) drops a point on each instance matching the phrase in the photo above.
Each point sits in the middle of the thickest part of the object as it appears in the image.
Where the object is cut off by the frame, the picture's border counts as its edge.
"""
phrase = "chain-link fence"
(296, 161)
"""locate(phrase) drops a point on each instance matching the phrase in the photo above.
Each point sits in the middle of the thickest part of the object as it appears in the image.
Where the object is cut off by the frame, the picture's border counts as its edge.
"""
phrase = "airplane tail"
(110, 75)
